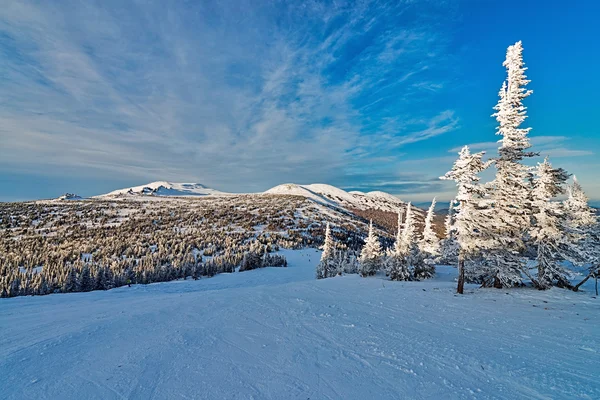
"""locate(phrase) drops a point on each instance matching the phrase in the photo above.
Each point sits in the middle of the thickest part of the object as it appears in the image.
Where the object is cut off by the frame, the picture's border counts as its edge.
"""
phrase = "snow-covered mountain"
(318, 192)
(333, 196)
(163, 188)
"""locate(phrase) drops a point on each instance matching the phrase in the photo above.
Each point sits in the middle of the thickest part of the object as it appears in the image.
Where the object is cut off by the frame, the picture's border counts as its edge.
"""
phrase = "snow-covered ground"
(277, 333)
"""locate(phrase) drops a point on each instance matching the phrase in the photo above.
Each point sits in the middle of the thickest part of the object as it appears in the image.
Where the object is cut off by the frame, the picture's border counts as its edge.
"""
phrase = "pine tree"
(408, 233)
(430, 244)
(396, 262)
(469, 221)
(422, 268)
(71, 284)
(328, 245)
(370, 256)
(85, 281)
(549, 232)
(510, 188)
(327, 266)
(449, 245)
(585, 227)
(581, 215)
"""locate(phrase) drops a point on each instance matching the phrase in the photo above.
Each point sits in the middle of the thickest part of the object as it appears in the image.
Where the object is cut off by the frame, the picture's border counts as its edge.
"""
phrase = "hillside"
(333, 196)
(277, 333)
(162, 188)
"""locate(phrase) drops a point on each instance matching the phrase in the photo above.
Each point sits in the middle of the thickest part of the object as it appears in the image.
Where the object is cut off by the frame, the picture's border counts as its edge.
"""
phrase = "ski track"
(278, 333)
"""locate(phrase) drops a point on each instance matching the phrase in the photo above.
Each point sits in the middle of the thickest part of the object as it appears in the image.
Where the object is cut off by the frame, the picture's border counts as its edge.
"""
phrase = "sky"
(245, 95)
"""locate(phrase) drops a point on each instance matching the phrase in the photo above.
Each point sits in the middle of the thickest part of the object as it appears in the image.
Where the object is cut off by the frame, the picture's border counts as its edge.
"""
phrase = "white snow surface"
(277, 333)
(163, 188)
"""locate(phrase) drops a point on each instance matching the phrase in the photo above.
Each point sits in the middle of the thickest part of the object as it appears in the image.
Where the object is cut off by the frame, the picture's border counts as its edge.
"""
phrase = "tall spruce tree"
(430, 244)
(327, 266)
(408, 232)
(510, 190)
(448, 245)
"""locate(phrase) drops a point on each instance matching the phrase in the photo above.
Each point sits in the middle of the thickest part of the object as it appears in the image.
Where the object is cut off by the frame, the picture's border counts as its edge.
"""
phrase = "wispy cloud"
(552, 146)
(238, 95)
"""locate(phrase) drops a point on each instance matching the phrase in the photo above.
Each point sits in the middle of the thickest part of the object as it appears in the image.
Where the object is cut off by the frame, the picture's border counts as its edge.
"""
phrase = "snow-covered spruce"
(509, 192)
(430, 244)
(410, 248)
(370, 259)
(408, 233)
(329, 265)
(470, 223)
(396, 262)
(585, 227)
(449, 245)
(549, 231)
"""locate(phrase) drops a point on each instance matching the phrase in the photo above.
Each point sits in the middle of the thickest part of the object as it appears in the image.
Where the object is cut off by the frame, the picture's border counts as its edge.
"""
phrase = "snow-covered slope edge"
(163, 188)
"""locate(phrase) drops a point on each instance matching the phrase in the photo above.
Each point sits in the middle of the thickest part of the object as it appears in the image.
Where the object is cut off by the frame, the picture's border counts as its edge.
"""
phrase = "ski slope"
(277, 333)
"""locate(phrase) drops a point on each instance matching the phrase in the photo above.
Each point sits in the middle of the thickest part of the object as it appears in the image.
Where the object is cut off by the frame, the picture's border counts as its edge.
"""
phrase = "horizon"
(368, 97)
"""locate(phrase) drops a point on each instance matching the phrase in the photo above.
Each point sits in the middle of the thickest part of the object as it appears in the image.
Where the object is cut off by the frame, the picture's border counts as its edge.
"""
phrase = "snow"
(163, 188)
(292, 189)
(333, 196)
(278, 333)
(34, 270)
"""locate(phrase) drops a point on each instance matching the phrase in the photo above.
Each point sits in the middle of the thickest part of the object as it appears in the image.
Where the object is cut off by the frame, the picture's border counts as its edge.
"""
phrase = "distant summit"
(163, 188)
(333, 196)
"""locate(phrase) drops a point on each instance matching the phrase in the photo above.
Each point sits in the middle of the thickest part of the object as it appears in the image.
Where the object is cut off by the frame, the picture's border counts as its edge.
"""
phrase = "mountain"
(162, 188)
(333, 196)
(380, 207)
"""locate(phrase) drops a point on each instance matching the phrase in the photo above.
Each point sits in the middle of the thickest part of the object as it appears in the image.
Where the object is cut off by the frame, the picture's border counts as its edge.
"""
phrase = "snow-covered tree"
(421, 267)
(469, 221)
(328, 245)
(510, 188)
(370, 256)
(581, 215)
(396, 262)
(430, 244)
(408, 233)
(449, 245)
(548, 232)
(328, 267)
(585, 227)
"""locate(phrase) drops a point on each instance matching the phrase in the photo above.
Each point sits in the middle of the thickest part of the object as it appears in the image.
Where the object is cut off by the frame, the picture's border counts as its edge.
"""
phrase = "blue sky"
(245, 95)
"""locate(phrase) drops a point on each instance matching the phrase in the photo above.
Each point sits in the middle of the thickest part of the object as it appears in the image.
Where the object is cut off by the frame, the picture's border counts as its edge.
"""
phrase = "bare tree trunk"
(596, 277)
(461, 276)
(535, 283)
(593, 272)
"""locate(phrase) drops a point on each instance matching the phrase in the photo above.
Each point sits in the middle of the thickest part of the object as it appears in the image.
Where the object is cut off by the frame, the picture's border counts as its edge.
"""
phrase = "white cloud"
(545, 145)
(235, 95)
